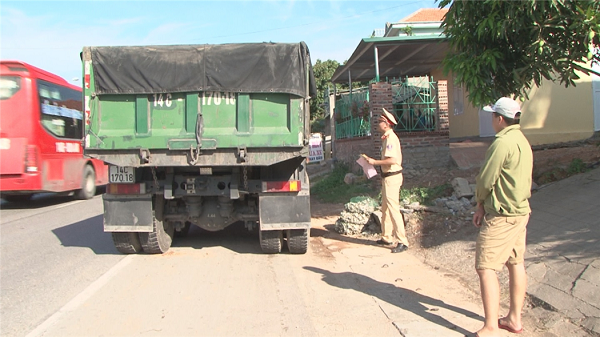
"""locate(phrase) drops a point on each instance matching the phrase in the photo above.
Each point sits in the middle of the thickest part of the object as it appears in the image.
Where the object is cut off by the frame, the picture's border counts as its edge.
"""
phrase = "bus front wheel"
(88, 184)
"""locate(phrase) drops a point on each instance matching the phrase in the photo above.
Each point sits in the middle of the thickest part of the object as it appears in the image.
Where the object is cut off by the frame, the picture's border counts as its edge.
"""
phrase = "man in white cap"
(392, 223)
(503, 190)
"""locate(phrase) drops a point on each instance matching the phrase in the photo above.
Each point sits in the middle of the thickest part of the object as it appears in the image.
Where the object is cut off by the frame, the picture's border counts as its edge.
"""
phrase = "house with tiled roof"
(403, 63)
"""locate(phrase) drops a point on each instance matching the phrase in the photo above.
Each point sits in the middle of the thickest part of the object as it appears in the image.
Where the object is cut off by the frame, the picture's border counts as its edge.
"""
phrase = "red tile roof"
(426, 15)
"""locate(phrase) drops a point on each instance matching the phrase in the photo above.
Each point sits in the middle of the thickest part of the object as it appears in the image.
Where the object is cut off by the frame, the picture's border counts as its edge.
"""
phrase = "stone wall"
(348, 151)
(425, 149)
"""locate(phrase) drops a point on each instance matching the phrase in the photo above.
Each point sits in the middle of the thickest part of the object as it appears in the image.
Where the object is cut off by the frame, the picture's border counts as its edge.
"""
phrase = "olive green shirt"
(504, 181)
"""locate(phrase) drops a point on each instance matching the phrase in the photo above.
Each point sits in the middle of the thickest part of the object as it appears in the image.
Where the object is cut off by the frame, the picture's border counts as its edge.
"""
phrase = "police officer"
(392, 223)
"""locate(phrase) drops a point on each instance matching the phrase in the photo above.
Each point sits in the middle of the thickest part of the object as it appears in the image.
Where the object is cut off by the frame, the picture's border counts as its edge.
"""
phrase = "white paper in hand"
(368, 169)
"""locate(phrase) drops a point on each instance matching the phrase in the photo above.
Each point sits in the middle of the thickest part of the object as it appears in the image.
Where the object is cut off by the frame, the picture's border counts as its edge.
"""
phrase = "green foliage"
(577, 166)
(332, 188)
(558, 173)
(425, 195)
(323, 72)
(503, 48)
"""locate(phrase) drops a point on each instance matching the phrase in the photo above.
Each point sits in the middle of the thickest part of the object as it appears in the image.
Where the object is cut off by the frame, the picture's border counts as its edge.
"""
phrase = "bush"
(425, 195)
(333, 189)
(577, 166)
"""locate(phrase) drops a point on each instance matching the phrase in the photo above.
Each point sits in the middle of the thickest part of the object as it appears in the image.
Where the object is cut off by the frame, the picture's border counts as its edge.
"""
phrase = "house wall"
(348, 150)
(555, 114)
(552, 114)
(463, 117)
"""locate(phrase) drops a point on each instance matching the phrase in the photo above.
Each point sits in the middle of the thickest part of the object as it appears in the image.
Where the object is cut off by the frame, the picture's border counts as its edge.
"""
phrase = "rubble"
(357, 216)
(462, 188)
(362, 215)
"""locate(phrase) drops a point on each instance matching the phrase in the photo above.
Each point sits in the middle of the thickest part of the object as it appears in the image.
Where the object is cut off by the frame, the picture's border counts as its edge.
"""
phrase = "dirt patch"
(430, 230)
(447, 242)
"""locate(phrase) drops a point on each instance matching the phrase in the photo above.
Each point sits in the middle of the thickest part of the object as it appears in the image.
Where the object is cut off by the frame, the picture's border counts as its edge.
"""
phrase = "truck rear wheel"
(297, 241)
(88, 184)
(127, 242)
(159, 240)
(271, 241)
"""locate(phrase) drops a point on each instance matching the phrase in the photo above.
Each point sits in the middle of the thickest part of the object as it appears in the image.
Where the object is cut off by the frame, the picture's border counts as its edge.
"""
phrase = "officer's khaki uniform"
(392, 223)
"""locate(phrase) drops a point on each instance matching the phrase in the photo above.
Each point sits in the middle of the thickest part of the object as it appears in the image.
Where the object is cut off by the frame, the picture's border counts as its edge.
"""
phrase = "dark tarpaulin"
(243, 67)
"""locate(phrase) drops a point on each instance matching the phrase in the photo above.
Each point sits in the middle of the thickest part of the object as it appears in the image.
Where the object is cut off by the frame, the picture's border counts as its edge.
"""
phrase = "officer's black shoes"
(383, 242)
(399, 248)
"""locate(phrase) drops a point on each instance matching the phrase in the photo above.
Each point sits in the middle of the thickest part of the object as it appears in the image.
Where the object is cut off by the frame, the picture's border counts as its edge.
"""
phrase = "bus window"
(61, 110)
(9, 85)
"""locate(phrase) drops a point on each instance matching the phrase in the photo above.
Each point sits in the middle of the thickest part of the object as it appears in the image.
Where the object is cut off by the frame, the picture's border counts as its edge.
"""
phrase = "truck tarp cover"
(245, 67)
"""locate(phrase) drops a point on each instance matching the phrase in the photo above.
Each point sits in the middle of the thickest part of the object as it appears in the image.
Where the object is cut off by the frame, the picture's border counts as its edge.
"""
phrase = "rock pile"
(454, 205)
(362, 215)
(357, 216)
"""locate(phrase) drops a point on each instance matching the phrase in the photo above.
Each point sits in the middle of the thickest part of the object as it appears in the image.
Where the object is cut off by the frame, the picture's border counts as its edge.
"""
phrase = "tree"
(503, 48)
(323, 72)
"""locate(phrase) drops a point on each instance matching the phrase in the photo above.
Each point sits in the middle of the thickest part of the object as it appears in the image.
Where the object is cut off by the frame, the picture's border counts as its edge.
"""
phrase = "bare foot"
(504, 323)
(485, 332)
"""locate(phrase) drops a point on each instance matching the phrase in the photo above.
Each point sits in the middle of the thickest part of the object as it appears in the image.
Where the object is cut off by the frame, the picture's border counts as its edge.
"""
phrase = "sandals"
(508, 328)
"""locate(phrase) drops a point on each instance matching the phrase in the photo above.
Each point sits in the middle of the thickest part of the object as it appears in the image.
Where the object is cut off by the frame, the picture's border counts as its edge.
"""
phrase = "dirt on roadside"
(447, 242)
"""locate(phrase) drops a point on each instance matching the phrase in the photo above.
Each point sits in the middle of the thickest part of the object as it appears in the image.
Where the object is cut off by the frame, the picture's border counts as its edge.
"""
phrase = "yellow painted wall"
(555, 114)
(465, 124)
(552, 114)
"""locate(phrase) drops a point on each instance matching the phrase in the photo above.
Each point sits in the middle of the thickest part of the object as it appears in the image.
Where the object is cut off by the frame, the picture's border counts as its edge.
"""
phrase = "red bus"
(41, 134)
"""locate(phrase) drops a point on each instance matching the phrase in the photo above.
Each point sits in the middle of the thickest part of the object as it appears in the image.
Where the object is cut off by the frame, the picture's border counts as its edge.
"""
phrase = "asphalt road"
(51, 249)
(61, 276)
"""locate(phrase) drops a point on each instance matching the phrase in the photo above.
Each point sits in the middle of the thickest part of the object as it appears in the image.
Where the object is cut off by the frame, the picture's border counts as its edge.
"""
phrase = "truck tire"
(297, 241)
(271, 241)
(127, 242)
(88, 184)
(160, 239)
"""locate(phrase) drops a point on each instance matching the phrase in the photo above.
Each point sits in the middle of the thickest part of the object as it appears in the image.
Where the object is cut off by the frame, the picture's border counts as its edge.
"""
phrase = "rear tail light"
(282, 186)
(31, 159)
(126, 189)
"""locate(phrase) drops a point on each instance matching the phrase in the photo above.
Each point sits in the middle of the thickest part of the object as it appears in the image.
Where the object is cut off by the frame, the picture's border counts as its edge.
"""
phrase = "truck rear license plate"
(121, 175)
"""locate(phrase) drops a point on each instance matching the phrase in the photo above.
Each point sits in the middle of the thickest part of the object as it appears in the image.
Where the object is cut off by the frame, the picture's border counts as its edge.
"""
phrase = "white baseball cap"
(505, 106)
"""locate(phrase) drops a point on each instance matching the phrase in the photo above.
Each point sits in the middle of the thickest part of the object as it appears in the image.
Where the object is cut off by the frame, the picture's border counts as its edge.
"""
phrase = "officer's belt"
(389, 174)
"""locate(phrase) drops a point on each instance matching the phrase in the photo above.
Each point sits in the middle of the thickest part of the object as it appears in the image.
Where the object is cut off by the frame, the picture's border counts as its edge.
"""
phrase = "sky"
(51, 34)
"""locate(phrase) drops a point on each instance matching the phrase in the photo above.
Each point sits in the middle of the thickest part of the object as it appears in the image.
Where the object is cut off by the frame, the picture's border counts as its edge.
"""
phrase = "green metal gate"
(353, 115)
(415, 104)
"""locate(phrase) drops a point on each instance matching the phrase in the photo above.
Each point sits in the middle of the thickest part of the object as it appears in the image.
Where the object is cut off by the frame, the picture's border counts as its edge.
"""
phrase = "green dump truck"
(204, 135)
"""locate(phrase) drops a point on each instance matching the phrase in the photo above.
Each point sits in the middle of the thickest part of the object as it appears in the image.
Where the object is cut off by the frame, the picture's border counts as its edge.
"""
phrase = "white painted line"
(83, 296)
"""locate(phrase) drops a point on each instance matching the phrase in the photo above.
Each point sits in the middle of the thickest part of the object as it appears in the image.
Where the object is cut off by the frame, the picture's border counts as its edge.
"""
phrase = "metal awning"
(397, 57)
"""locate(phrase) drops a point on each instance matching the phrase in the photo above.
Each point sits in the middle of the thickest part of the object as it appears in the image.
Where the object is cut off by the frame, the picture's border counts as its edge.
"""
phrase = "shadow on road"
(235, 238)
(40, 200)
(88, 233)
(37, 201)
(329, 232)
(402, 298)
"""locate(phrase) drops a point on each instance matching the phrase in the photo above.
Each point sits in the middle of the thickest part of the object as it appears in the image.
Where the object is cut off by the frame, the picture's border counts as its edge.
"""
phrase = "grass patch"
(333, 189)
(425, 195)
(576, 166)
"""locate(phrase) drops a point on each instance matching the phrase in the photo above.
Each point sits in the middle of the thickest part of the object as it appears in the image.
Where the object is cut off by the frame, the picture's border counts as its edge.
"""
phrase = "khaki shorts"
(501, 240)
